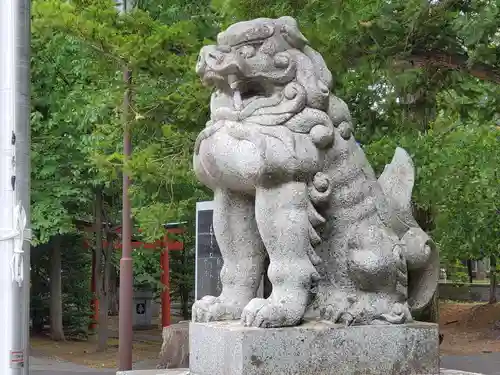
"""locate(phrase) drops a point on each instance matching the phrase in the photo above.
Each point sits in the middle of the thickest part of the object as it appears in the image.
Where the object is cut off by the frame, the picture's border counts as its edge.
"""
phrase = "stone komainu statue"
(290, 182)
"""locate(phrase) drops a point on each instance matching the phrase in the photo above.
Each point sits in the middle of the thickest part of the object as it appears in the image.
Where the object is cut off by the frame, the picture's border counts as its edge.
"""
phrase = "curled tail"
(320, 190)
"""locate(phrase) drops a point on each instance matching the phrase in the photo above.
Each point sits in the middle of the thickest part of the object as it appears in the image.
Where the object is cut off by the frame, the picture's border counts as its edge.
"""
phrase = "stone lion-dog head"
(256, 58)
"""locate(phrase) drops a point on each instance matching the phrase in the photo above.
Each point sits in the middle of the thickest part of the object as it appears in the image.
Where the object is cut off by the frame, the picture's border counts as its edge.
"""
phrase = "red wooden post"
(165, 294)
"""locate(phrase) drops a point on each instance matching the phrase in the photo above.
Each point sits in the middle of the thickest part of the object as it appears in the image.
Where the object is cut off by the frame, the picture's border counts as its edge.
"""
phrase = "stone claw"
(266, 313)
(337, 315)
(330, 313)
(252, 315)
(347, 319)
(211, 308)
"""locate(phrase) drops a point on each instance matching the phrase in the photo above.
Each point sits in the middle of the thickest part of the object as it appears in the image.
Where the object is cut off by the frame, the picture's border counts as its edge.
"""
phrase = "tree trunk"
(94, 303)
(469, 270)
(113, 292)
(185, 302)
(56, 311)
(102, 330)
(493, 279)
(102, 327)
(104, 297)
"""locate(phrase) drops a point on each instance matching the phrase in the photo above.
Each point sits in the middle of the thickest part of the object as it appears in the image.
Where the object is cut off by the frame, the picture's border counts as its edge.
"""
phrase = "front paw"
(210, 309)
(267, 313)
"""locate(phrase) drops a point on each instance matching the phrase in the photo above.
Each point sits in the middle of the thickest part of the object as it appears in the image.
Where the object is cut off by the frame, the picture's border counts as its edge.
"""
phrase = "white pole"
(14, 186)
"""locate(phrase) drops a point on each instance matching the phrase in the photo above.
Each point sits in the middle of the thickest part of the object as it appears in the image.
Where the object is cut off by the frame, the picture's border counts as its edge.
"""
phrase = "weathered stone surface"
(290, 182)
(314, 348)
(186, 372)
(154, 372)
(175, 348)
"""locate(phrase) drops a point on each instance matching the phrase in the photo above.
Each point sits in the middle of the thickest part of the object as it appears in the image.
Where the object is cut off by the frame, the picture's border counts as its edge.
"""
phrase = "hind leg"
(376, 269)
(243, 255)
(283, 224)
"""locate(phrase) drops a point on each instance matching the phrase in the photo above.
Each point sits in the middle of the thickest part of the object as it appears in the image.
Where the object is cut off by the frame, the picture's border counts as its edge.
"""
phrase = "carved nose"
(200, 64)
(217, 56)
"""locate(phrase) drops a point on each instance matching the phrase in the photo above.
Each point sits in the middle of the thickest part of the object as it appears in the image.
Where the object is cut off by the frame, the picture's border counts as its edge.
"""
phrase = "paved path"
(62, 372)
(42, 366)
(488, 364)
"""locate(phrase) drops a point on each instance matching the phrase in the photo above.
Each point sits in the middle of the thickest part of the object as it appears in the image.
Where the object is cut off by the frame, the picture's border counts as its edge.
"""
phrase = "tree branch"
(440, 59)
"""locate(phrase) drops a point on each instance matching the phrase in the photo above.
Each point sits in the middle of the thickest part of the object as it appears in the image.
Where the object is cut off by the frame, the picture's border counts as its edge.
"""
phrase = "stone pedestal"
(186, 372)
(314, 348)
(175, 348)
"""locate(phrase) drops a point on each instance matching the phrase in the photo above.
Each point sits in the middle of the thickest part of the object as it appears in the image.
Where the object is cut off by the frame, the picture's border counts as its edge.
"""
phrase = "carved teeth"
(233, 81)
(238, 103)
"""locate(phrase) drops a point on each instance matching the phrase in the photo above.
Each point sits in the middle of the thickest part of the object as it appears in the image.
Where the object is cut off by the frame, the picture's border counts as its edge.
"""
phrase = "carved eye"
(247, 51)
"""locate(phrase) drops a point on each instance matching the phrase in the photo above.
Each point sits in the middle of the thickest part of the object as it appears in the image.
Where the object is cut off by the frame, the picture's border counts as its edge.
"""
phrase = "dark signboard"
(208, 257)
(207, 243)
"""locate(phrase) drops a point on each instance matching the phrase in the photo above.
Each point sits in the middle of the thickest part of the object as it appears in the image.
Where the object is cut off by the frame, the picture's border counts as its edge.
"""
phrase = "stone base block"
(314, 348)
(186, 372)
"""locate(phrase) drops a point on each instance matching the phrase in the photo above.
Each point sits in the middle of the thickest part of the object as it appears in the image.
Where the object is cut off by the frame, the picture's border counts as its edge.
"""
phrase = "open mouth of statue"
(243, 94)
(241, 91)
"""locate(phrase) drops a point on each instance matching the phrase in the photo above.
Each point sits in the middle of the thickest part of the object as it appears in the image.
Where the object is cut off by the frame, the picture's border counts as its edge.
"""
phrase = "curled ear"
(320, 68)
(291, 33)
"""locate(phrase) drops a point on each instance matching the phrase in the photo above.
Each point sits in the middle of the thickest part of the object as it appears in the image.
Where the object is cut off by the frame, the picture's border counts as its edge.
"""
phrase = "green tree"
(70, 100)
(169, 105)
(91, 43)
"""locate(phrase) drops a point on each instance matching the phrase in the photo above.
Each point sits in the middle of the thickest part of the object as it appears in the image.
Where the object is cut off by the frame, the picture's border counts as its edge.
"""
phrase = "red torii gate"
(165, 244)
